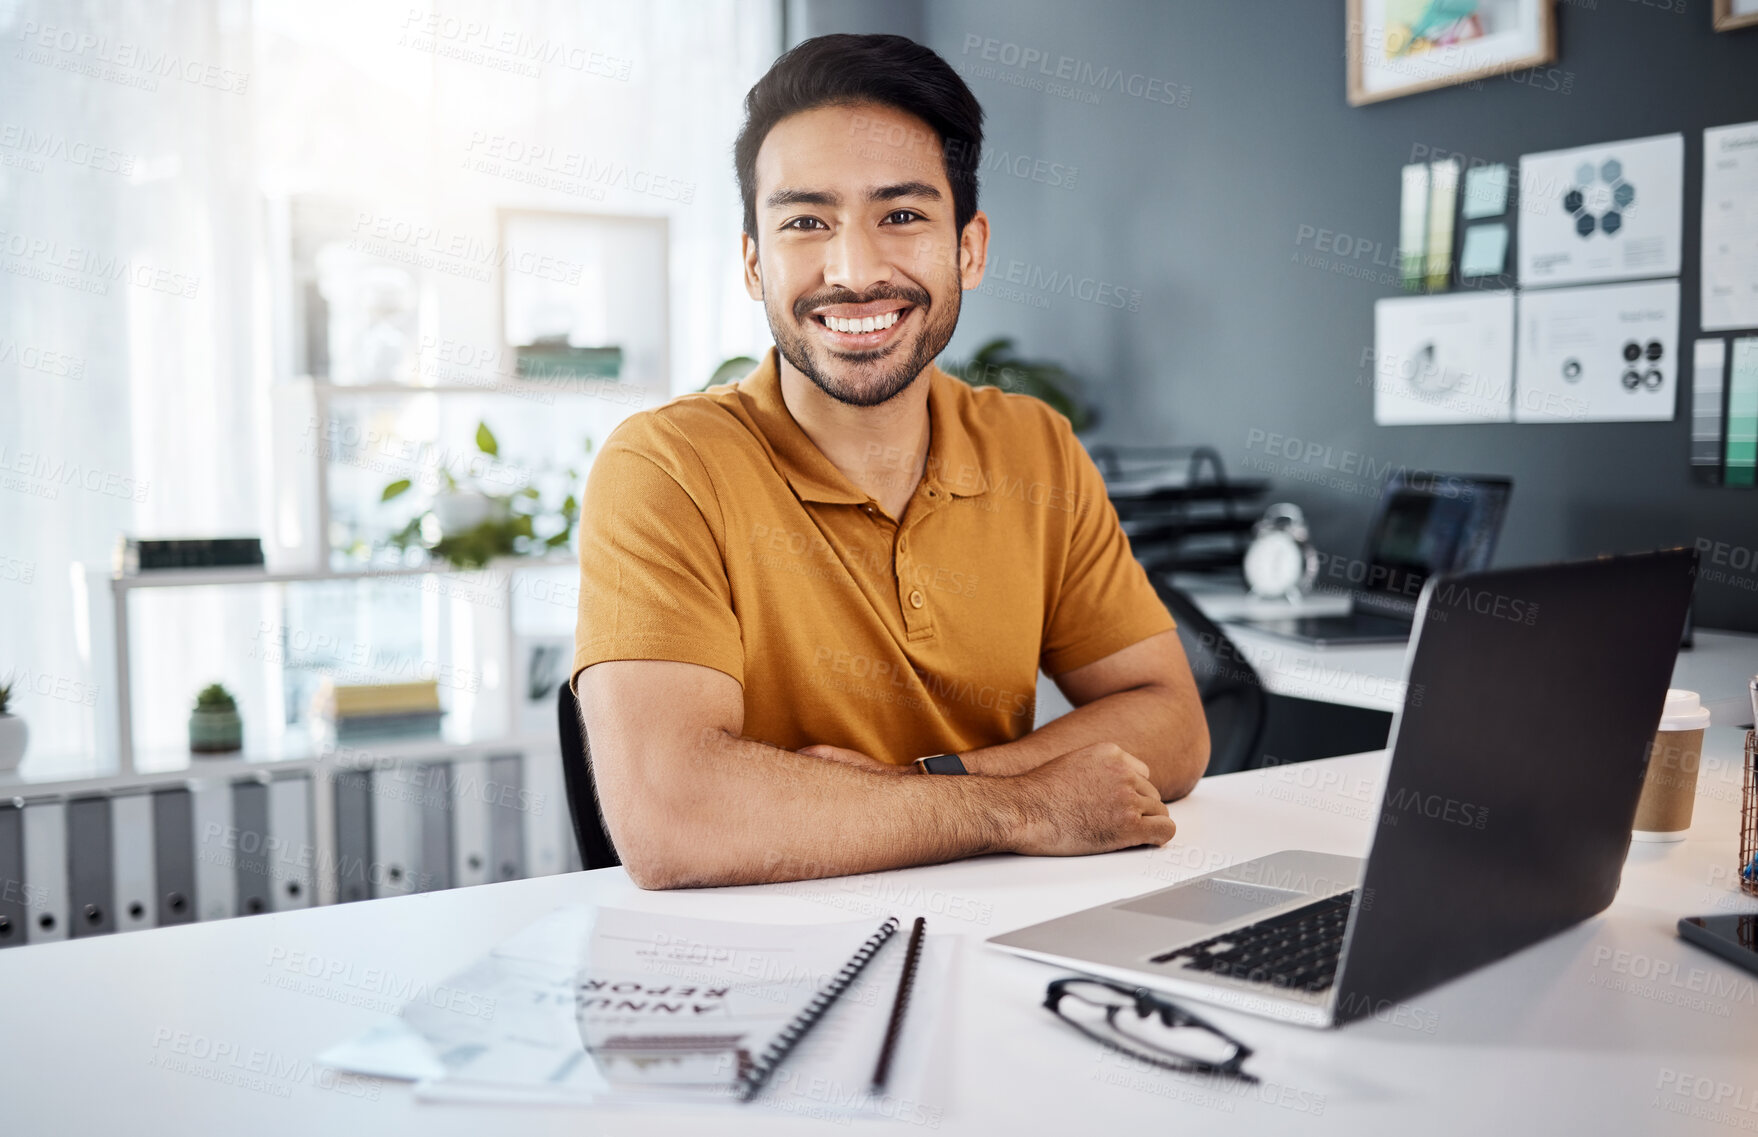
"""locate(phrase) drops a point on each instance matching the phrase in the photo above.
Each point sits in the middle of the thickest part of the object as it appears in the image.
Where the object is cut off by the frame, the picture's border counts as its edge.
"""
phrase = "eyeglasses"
(1157, 1032)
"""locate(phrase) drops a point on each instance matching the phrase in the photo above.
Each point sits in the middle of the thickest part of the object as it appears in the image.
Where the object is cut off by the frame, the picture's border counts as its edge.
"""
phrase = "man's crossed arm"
(689, 802)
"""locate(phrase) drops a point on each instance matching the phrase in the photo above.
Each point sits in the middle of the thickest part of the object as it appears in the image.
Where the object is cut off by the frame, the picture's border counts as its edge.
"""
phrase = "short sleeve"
(1105, 602)
(653, 580)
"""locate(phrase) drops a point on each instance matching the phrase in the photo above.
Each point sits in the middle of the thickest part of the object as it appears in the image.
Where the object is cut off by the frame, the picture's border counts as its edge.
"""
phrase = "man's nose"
(854, 260)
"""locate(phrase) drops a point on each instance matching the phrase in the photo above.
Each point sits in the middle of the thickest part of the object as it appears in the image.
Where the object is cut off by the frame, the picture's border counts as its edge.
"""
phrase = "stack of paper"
(509, 1027)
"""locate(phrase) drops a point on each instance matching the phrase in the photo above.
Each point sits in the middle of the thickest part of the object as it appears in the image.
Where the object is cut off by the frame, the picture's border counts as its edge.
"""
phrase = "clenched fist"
(1091, 800)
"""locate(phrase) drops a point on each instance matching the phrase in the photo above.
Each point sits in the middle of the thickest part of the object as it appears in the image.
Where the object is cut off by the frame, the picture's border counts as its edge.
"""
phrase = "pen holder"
(1748, 867)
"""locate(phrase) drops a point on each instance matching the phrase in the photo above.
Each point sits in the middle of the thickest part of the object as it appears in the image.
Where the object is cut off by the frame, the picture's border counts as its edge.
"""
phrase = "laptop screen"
(1428, 524)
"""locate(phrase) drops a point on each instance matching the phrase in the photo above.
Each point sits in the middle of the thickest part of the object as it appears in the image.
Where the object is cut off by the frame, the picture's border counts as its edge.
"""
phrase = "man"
(795, 586)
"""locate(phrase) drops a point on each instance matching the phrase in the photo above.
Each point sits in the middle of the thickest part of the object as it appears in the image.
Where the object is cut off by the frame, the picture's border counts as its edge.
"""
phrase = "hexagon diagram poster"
(1611, 212)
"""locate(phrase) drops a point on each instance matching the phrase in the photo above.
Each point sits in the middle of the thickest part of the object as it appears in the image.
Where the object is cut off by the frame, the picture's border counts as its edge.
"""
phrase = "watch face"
(1274, 564)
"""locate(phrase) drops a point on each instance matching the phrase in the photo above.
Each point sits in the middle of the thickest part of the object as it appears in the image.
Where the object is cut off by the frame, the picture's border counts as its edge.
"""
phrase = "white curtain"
(142, 149)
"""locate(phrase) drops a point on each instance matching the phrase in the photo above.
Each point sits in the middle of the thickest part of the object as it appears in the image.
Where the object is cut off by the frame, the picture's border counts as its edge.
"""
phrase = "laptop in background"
(1517, 760)
(1425, 524)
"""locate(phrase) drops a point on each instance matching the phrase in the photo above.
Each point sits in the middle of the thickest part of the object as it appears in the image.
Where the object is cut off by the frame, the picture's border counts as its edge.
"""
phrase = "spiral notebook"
(792, 1017)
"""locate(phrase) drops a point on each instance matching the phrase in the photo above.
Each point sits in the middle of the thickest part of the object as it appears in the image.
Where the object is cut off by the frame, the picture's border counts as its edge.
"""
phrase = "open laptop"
(1517, 759)
(1425, 524)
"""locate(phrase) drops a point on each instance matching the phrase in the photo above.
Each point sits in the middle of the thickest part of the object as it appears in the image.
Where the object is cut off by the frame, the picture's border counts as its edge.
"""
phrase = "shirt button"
(916, 598)
(903, 544)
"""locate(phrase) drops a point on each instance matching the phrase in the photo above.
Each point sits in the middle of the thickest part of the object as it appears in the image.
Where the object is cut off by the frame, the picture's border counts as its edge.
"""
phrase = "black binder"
(91, 867)
(14, 899)
(250, 822)
(353, 789)
(434, 871)
(174, 855)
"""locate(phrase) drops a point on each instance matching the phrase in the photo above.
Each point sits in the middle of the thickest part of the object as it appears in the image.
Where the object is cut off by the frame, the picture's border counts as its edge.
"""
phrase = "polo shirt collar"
(952, 452)
(952, 460)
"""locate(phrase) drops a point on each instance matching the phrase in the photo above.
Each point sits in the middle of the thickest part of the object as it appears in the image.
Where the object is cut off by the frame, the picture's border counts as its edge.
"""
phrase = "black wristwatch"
(942, 764)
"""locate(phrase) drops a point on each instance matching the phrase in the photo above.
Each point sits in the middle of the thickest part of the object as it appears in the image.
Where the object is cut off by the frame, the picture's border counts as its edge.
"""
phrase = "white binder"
(396, 830)
(291, 864)
(136, 867)
(546, 819)
(45, 870)
(216, 853)
(469, 822)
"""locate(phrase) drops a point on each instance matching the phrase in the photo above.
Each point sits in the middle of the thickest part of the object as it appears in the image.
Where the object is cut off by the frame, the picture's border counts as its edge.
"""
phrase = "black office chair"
(596, 851)
(1234, 702)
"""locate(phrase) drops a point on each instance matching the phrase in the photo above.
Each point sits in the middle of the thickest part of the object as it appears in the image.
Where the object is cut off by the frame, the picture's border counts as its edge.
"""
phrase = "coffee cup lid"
(1684, 711)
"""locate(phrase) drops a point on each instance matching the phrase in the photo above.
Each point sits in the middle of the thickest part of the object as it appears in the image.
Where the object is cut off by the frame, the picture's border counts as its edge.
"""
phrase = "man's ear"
(753, 272)
(973, 251)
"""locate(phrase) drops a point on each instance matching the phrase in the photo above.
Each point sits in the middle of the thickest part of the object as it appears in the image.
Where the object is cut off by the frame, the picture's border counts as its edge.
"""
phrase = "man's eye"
(902, 216)
(803, 223)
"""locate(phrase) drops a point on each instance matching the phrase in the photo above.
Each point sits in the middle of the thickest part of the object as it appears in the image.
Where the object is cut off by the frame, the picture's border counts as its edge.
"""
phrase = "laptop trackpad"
(1211, 901)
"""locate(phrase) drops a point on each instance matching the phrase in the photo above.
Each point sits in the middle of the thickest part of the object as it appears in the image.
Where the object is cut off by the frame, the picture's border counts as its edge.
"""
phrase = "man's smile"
(875, 324)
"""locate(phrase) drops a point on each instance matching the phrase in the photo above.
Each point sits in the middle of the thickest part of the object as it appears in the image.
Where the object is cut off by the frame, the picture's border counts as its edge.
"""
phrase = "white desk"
(1548, 1041)
(1371, 676)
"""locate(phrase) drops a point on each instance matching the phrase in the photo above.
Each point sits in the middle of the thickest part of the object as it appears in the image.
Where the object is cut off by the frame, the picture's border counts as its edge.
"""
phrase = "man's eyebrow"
(904, 189)
(785, 196)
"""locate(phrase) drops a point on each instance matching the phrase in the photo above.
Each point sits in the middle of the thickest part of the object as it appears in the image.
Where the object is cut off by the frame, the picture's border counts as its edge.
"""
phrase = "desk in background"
(1339, 700)
(1606, 1028)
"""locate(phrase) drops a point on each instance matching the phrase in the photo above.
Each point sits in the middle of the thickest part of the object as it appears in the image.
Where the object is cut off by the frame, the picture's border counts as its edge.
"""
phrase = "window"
(151, 164)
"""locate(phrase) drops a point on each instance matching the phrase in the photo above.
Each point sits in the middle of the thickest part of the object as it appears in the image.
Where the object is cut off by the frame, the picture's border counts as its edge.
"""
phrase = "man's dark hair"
(843, 70)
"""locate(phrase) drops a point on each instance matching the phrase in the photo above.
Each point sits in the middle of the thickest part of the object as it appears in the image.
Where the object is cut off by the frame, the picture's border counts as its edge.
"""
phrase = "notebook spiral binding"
(752, 1078)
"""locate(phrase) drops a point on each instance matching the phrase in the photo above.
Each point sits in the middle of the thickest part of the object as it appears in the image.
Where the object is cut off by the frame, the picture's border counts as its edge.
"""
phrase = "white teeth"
(863, 325)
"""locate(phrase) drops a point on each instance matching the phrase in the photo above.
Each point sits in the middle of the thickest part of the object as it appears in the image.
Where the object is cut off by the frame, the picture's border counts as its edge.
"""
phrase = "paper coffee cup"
(1669, 788)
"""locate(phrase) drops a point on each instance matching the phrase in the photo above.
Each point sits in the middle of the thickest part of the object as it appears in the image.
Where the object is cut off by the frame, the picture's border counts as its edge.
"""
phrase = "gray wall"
(1201, 208)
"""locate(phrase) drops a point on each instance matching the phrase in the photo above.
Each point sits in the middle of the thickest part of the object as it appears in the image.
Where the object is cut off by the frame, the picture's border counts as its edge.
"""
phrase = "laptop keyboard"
(1295, 950)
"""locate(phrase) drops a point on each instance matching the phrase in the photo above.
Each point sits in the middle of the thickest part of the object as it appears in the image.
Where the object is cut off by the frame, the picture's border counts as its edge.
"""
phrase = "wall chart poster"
(1441, 359)
(1730, 227)
(1606, 354)
(1610, 212)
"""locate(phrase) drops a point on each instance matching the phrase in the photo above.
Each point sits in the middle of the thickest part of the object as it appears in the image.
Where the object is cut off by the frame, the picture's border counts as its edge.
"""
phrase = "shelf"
(205, 577)
(169, 766)
(591, 386)
(297, 750)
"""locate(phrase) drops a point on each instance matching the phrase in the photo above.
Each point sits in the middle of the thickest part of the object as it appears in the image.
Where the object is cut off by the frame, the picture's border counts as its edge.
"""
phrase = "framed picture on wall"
(1400, 47)
(1731, 14)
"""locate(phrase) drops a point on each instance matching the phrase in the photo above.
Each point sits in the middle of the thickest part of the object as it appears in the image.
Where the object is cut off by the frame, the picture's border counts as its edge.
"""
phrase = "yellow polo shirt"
(714, 532)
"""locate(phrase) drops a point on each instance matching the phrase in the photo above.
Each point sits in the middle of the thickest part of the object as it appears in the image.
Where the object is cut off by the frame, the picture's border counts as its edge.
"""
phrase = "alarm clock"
(1281, 561)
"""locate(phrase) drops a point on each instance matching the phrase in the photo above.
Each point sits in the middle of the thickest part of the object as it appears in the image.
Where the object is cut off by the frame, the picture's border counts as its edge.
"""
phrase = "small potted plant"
(14, 735)
(214, 726)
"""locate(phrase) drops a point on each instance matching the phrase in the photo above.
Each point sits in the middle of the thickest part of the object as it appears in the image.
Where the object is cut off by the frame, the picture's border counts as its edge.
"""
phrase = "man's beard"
(930, 340)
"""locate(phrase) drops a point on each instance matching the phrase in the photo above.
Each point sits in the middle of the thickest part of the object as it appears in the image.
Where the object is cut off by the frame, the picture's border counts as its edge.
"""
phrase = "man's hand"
(854, 758)
(1092, 800)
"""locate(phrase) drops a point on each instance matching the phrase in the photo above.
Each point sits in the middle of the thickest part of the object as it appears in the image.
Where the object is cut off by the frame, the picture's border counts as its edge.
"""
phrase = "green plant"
(215, 697)
(518, 523)
(731, 371)
(997, 365)
(6, 695)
